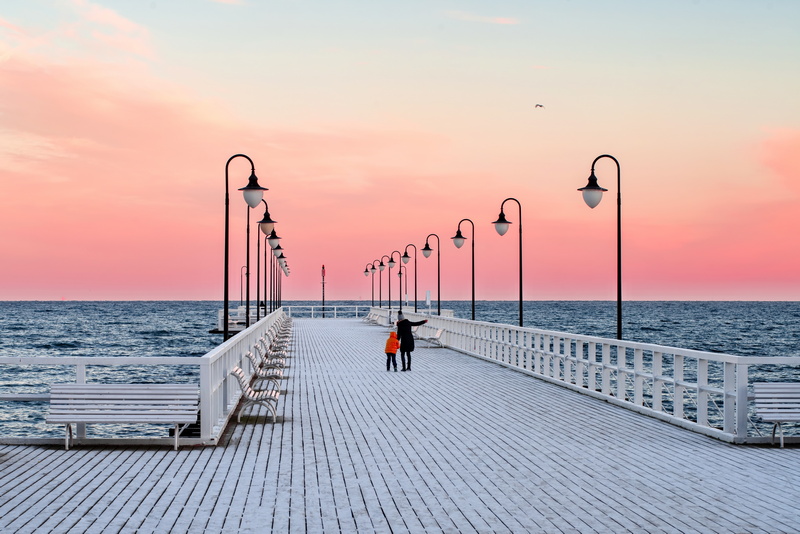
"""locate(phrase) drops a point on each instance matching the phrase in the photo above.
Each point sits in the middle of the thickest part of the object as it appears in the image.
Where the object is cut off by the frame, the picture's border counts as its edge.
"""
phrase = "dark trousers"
(390, 359)
(403, 355)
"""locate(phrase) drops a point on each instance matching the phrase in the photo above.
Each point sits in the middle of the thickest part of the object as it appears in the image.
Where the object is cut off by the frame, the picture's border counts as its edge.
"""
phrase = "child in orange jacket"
(392, 345)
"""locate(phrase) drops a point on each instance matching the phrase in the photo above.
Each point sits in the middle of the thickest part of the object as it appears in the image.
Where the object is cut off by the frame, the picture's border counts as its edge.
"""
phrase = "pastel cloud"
(470, 17)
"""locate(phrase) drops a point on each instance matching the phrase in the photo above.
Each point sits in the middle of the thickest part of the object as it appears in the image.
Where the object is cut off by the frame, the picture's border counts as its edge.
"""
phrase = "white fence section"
(219, 390)
(326, 312)
(704, 392)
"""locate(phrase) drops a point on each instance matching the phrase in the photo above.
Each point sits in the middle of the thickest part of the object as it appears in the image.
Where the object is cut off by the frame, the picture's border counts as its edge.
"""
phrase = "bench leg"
(67, 435)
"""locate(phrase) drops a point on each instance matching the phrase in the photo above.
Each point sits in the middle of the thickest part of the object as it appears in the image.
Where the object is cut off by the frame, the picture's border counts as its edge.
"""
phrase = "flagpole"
(323, 291)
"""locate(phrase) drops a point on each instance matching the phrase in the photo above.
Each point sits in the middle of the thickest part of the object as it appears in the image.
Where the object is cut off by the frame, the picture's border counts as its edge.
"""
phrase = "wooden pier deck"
(456, 445)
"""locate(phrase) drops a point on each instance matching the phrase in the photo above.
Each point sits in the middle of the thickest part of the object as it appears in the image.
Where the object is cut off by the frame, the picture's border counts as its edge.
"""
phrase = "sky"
(374, 124)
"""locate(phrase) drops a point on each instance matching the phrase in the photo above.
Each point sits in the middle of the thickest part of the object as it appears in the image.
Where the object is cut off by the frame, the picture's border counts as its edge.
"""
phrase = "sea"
(56, 329)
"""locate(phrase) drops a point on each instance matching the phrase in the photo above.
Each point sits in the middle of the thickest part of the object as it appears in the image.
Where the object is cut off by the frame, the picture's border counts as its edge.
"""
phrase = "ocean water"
(57, 329)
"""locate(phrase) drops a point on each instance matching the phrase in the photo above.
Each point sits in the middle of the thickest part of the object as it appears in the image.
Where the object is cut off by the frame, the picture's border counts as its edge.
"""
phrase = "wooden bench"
(176, 404)
(266, 398)
(777, 402)
(435, 340)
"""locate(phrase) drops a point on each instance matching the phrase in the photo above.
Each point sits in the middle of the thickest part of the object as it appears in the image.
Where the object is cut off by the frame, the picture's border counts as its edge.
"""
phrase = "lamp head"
(366, 271)
(266, 224)
(391, 263)
(501, 224)
(273, 239)
(381, 266)
(277, 250)
(427, 250)
(592, 193)
(406, 258)
(253, 193)
(458, 239)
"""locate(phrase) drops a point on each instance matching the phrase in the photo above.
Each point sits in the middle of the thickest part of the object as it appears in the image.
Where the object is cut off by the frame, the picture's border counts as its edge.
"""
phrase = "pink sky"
(372, 129)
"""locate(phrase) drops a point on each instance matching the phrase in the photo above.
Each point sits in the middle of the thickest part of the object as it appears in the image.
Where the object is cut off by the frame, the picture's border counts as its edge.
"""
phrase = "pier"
(459, 444)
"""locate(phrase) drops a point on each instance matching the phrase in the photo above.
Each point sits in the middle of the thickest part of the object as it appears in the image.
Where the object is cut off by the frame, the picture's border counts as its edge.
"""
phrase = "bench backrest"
(772, 396)
(123, 402)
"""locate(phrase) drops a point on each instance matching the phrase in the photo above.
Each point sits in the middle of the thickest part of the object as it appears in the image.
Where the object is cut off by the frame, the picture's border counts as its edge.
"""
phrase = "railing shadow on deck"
(704, 392)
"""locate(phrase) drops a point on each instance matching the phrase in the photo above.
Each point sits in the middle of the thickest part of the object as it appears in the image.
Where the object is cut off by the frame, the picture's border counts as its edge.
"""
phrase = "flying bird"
(538, 106)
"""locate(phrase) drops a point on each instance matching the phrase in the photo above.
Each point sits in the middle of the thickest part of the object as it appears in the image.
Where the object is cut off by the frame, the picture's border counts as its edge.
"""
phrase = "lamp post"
(273, 241)
(400, 275)
(242, 270)
(501, 225)
(381, 267)
(372, 269)
(426, 251)
(592, 195)
(253, 193)
(458, 241)
(406, 258)
(265, 225)
(392, 263)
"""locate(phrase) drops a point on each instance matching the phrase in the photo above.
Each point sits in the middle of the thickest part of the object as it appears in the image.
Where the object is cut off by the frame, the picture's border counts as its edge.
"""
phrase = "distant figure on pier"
(392, 344)
(406, 339)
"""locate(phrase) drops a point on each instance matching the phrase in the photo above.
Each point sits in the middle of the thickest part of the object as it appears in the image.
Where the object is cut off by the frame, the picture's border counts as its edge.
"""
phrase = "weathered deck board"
(456, 445)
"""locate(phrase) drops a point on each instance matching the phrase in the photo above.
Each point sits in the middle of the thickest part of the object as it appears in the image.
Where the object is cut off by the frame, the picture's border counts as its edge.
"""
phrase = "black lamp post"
(266, 225)
(400, 275)
(273, 241)
(458, 241)
(381, 267)
(592, 195)
(406, 258)
(501, 225)
(392, 263)
(366, 273)
(253, 193)
(426, 251)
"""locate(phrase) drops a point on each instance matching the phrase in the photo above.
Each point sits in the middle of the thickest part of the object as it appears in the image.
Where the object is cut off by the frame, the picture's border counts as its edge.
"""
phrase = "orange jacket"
(392, 344)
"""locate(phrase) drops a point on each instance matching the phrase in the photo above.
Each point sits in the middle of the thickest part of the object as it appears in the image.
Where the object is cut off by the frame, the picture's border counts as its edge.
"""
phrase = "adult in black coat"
(406, 337)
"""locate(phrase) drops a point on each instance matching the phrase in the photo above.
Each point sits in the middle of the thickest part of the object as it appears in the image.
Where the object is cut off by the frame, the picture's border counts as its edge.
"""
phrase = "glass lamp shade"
(381, 266)
(366, 272)
(592, 197)
(427, 250)
(391, 263)
(277, 250)
(592, 193)
(406, 258)
(266, 227)
(373, 269)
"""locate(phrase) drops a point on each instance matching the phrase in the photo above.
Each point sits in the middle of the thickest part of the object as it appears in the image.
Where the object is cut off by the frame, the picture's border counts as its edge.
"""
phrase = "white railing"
(219, 390)
(326, 312)
(702, 391)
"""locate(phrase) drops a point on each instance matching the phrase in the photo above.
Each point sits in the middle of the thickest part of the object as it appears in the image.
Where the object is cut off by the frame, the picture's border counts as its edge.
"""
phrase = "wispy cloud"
(471, 17)
(111, 29)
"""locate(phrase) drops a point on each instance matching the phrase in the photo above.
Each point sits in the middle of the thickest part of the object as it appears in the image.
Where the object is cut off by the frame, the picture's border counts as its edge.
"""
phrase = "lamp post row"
(592, 195)
(253, 195)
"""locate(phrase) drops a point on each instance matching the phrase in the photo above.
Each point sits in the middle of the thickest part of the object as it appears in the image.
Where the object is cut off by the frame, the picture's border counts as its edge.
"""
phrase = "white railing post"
(731, 396)
(207, 415)
(702, 392)
(679, 388)
(741, 400)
